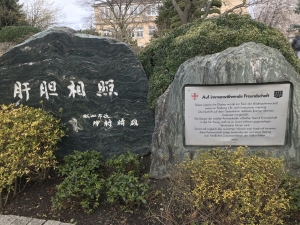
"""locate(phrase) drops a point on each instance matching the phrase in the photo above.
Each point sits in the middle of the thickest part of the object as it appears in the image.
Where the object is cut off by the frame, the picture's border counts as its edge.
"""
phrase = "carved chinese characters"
(98, 83)
(49, 89)
(106, 88)
(107, 120)
(21, 89)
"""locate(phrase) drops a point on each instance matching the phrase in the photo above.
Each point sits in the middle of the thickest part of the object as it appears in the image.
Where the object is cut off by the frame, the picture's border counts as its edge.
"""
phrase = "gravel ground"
(6, 46)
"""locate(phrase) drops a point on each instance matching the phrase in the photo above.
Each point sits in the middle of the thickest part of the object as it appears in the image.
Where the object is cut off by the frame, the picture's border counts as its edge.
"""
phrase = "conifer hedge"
(17, 33)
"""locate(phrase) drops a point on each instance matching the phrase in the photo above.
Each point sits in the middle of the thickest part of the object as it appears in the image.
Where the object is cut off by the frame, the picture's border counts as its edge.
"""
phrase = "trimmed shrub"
(162, 57)
(123, 164)
(17, 33)
(87, 177)
(28, 139)
(228, 187)
(123, 183)
(83, 183)
(127, 189)
(292, 186)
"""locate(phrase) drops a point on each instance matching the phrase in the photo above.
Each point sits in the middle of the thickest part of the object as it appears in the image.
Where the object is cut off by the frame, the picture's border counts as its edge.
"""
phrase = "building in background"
(228, 4)
(127, 20)
(132, 21)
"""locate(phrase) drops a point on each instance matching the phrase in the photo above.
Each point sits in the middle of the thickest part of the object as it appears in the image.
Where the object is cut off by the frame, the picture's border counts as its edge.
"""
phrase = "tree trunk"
(16, 186)
(183, 15)
(1, 203)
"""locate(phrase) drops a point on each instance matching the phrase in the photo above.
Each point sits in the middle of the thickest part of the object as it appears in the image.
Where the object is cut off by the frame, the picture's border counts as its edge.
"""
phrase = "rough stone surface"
(52, 222)
(22, 220)
(36, 222)
(248, 63)
(97, 82)
(7, 219)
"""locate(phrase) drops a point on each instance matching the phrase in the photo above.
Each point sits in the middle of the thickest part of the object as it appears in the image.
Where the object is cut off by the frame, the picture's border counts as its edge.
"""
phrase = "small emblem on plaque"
(194, 96)
(278, 94)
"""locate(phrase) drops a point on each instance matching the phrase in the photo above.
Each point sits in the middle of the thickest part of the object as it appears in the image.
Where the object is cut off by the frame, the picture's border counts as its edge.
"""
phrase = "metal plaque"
(252, 115)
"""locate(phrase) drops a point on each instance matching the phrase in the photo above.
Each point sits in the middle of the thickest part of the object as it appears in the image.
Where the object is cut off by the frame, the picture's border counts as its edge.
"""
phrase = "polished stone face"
(97, 82)
(296, 44)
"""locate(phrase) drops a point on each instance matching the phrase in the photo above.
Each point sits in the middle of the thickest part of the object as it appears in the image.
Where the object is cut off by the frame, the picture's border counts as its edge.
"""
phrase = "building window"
(105, 32)
(140, 10)
(102, 12)
(152, 10)
(105, 13)
(135, 10)
(139, 32)
(132, 10)
(131, 32)
(151, 30)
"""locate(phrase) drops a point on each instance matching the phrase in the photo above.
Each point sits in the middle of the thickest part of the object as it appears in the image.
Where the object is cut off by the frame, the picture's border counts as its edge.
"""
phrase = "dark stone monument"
(97, 82)
(296, 44)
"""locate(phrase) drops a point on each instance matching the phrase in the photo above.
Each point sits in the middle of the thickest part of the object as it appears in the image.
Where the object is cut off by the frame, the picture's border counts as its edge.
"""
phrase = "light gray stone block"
(245, 64)
(36, 222)
(7, 219)
(52, 222)
(21, 221)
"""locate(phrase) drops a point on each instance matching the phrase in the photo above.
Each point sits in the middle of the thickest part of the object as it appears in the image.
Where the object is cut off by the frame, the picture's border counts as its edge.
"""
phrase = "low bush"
(28, 139)
(17, 33)
(292, 186)
(89, 160)
(88, 177)
(123, 183)
(127, 189)
(83, 183)
(123, 163)
(163, 56)
(228, 187)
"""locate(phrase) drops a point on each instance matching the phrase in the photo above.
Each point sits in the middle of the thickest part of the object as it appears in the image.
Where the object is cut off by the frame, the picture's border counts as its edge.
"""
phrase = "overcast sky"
(74, 14)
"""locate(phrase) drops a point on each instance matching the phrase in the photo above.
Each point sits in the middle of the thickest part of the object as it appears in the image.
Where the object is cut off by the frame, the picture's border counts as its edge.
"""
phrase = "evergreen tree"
(11, 14)
(166, 17)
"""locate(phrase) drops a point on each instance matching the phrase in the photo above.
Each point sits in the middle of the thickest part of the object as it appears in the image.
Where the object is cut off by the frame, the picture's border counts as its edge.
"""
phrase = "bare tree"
(275, 13)
(42, 13)
(271, 12)
(119, 18)
(89, 21)
(88, 25)
(86, 4)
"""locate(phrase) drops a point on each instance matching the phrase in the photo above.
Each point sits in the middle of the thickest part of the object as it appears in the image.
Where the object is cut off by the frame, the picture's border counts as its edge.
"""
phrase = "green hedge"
(17, 33)
(163, 56)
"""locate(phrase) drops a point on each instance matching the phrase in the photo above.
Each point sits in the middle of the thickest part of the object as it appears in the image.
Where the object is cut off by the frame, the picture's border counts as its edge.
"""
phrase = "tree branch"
(207, 8)
(243, 4)
(178, 10)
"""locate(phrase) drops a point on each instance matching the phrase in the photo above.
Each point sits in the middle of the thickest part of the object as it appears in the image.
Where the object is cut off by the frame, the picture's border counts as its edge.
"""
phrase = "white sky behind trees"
(74, 14)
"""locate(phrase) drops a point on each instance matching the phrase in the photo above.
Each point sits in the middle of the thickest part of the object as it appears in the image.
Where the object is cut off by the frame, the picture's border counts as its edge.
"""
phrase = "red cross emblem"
(195, 96)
